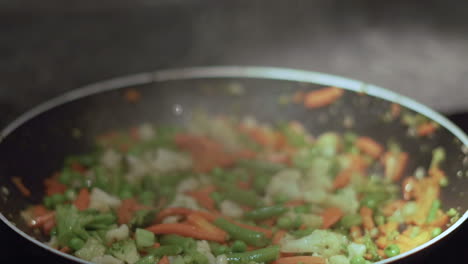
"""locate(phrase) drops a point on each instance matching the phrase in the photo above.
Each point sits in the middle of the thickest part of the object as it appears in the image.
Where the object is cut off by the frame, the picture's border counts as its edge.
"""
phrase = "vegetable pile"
(223, 191)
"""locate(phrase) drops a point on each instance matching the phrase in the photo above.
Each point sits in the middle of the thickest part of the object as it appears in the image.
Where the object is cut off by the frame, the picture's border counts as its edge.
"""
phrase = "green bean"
(264, 255)
(244, 197)
(239, 246)
(303, 209)
(101, 220)
(185, 242)
(170, 250)
(433, 211)
(284, 222)
(250, 237)
(218, 249)
(197, 257)
(265, 212)
(260, 183)
(302, 232)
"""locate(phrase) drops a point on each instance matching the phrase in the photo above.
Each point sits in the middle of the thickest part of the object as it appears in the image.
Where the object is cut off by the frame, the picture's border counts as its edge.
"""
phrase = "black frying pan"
(34, 145)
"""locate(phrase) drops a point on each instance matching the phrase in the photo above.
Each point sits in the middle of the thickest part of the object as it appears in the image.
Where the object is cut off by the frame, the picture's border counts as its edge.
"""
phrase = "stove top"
(449, 250)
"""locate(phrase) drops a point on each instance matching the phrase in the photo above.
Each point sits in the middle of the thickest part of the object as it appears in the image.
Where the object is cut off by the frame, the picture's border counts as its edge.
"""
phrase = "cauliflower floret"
(204, 248)
(188, 184)
(116, 234)
(146, 132)
(355, 249)
(321, 242)
(103, 201)
(345, 199)
(285, 182)
(221, 259)
(182, 200)
(231, 209)
(328, 144)
(137, 168)
(168, 160)
(106, 259)
(111, 159)
(338, 259)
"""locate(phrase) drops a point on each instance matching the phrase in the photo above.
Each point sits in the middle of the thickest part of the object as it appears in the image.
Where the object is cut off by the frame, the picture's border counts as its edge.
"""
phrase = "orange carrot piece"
(300, 259)
(20, 186)
(39, 210)
(278, 236)
(132, 95)
(65, 250)
(53, 186)
(207, 227)
(330, 216)
(395, 110)
(426, 129)
(77, 167)
(298, 97)
(322, 97)
(268, 233)
(367, 220)
(369, 146)
(395, 165)
(164, 260)
(355, 232)
(82, 200)
(48, 225)
(203, 197)
(156, 245)
(127, 208)
(40, 220)
(342, 179)
(172, 212)
(185, 230)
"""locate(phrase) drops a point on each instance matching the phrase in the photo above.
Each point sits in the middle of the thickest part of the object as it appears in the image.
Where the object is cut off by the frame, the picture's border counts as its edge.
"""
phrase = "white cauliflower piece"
(311, 220)
(356, 250)
(345, 199)
(338, 259)
(188, 184)
(137, 168)
(231, 209)
(317, 177)
(168, 160)
(328, 144)
(111, 159)
(221, 259)
(103, 201)
(116, 234)
(321, 242)
(146, 132)
(182, 200)
(204, 248)
(106, 259)
(285, 182)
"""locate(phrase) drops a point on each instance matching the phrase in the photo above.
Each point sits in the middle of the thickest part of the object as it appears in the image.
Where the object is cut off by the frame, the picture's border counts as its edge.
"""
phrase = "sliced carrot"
(127, 209)
(82, 200)
(172, 212)
(156, 245)
(48, 225)
(65, 250)
(185, 230)
(268, 233)
(390, 208)
(330, 216)
(132, 95)
(395, 165)
(367, 220)
(40, 220)
(39, 210)
(78, 167)
(355, 232)
(207, 227)
(426, 129)
(279, 235)
(441, 220)
(203, 197)
(53, 186)
(300, 259)
(164, 260)
(342, 179)
(369, 147)
(395, 110)
(298, 97)
(20, 186)
(322, 97)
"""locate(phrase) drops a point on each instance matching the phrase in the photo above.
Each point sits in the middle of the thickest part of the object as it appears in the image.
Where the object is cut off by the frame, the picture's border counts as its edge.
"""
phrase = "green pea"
(436, 231)
(239, 246)
(357, 260)
(284, 222)
(76, 243)
(220, 250)
(392, 250)
(452, 212)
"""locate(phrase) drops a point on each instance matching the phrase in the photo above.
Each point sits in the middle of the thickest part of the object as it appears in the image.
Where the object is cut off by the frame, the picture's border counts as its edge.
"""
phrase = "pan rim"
(252, 72)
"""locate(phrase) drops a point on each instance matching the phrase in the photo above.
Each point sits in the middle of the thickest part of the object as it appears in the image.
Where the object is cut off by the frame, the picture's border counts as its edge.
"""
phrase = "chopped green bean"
(170, 250)
(433, 211)
(239, 246)
(265, 212)
(250, 237)
(264, 255)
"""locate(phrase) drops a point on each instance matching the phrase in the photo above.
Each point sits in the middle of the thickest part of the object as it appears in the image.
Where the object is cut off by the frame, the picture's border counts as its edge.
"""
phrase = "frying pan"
(34, 145)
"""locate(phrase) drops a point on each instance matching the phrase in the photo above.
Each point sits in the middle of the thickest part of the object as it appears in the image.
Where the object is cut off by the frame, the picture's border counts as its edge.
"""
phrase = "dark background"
(417, 48)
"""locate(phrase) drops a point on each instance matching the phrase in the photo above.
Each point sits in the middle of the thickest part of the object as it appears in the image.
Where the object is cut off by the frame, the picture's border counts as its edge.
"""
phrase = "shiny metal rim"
(236, 72)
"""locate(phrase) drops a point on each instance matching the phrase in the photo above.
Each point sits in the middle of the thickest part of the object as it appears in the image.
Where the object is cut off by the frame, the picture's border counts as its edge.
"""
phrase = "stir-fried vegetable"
(241, 192)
